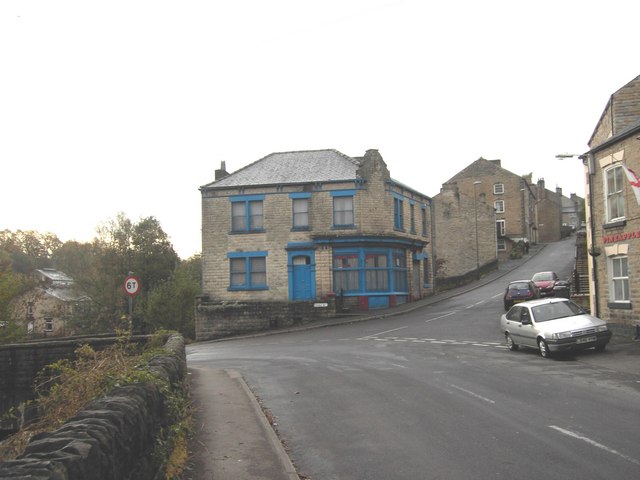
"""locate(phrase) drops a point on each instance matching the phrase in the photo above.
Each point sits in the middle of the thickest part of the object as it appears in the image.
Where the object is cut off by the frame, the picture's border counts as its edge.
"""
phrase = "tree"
(29, 249)
(11, 286)
(170, 305)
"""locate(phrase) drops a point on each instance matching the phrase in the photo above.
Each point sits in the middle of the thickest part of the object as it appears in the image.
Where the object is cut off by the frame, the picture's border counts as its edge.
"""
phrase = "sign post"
(132, 288)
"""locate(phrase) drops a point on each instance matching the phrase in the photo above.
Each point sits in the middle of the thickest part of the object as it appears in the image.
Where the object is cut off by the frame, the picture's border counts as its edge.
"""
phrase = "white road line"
(469, 392)
(595, 444)
(387, 331)
(398, 365)
(441, 316)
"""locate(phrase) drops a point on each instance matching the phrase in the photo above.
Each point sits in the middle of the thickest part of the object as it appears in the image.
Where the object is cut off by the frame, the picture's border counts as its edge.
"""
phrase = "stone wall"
(224, 319)
(20, 363)
(114, 437)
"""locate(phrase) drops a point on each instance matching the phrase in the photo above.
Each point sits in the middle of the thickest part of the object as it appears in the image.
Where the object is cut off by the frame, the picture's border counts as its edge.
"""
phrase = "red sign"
(621, 237)
(131, 285)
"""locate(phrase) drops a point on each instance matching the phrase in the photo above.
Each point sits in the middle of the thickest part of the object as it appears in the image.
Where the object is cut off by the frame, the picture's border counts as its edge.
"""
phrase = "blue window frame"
(247, 213)
(413, 217)
(370, 270)
(397, 213)
(343, 209)
(247, 270)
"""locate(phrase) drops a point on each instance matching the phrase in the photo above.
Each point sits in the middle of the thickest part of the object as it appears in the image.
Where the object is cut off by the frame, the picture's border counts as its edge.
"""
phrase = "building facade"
(312, 225)
(513, 198)
(466, 243)
(46, 309)
(612, 167)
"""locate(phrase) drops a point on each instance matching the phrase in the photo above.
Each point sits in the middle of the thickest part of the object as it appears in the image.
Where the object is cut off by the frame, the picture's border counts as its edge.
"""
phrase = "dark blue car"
(520, 291)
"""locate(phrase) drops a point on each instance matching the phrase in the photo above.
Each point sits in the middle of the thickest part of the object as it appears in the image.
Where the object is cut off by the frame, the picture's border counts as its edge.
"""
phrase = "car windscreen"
(552, 311)
(542, 277)
(518, 286)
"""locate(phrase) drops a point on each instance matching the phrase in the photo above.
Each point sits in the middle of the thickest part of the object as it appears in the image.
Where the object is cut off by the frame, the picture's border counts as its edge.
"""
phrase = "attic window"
(498, 188)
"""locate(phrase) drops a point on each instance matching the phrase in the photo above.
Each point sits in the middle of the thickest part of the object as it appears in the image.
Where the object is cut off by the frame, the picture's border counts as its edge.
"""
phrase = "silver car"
(553, 325)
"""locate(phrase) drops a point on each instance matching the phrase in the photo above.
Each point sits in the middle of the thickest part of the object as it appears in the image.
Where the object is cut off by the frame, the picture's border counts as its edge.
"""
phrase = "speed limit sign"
(131, 285)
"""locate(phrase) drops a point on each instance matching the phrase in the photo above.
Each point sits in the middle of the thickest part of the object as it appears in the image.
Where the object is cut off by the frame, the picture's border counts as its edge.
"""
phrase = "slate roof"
(293, 167)
(480, 168)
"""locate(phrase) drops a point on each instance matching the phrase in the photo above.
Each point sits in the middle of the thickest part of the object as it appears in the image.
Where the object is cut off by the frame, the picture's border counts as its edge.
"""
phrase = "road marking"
(441, 316)
(432, 341)
(595, 444)
(387, 331)
(469, 392)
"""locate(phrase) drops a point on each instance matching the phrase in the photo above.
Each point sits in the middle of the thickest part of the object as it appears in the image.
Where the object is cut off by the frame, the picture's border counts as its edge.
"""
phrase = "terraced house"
(311, 226)
(612, 173)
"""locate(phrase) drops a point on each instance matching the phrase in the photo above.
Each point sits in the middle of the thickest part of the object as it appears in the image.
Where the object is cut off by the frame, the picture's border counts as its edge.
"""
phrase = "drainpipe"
(589, 161)
(432, 208)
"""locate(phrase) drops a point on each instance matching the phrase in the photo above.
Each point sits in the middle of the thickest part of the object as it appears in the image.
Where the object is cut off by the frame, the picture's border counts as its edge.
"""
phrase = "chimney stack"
(222, 171)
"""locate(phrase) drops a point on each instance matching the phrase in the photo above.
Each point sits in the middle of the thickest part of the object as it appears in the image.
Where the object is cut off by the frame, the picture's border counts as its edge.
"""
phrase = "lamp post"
(588, 162)
(475, 210)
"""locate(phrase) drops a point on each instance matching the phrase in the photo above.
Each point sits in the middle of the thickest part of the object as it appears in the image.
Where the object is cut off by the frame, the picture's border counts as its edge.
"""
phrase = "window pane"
(300, 212)
(238, 272)
(379, 260)
(343, 210)
(238, 216)
(255, 209)
(258, 271)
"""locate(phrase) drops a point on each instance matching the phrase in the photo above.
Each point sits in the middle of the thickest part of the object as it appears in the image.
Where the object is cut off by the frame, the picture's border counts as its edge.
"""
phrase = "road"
(434, 394)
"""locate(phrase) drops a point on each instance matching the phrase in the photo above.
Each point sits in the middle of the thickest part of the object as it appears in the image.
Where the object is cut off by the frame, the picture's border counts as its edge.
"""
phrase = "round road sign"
(131, 285)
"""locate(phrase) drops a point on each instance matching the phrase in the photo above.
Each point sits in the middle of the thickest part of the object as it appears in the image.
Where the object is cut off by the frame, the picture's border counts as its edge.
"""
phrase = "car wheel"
(510, 345)
(544, 349)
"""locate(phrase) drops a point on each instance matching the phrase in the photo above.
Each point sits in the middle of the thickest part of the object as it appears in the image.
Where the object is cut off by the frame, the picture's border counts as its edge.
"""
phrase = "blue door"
(302, 280)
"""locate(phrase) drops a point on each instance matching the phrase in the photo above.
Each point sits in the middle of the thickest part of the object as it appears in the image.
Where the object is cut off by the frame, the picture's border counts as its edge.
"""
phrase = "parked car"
(545, 281)
(553, 325)
(520, 291)
(562, 288)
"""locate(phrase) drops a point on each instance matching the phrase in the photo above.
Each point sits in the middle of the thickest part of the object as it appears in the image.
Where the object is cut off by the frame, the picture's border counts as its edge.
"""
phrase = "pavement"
(232, 435)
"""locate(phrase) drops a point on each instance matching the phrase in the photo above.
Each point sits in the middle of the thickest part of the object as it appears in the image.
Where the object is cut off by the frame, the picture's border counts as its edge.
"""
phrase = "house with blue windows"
(315, 227)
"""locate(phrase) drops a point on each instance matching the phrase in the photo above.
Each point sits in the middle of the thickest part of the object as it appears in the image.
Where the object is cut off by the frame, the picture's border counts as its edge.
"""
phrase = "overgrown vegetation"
(65, 387)
(168, 284)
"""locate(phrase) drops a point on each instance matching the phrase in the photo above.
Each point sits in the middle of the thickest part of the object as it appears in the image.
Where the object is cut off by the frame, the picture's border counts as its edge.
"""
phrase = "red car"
(545, 281)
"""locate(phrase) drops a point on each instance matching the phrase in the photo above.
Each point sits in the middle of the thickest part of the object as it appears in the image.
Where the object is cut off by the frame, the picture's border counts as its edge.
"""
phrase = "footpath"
(233, 438)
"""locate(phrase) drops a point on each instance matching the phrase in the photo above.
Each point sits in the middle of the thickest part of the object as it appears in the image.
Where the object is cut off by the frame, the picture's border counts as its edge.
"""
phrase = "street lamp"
(588, 161)
(475, 209)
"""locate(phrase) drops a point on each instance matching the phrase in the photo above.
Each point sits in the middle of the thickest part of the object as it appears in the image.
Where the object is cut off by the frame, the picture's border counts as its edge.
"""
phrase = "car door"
(514, 324)
(527, 332)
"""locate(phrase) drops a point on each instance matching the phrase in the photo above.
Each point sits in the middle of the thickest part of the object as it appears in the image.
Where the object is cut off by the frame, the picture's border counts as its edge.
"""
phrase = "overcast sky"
(130, 106)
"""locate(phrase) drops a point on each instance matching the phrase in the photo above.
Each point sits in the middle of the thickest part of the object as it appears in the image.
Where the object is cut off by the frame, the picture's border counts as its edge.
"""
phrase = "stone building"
(513, 198)
(549, 213)
(46, 309)
(466, 243)
(572, 210)
(311, 226)
(612, 171)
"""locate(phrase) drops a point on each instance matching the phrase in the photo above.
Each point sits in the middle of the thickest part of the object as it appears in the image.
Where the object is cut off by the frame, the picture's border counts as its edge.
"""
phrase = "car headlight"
(558, 336)
(602, 328)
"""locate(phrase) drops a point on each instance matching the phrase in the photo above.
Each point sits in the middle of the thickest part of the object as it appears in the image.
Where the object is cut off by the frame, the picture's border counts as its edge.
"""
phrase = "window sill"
(246, 289)
(300, 229)
(620, 305)
(618, 223)
(244, 232)
(343, 227)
